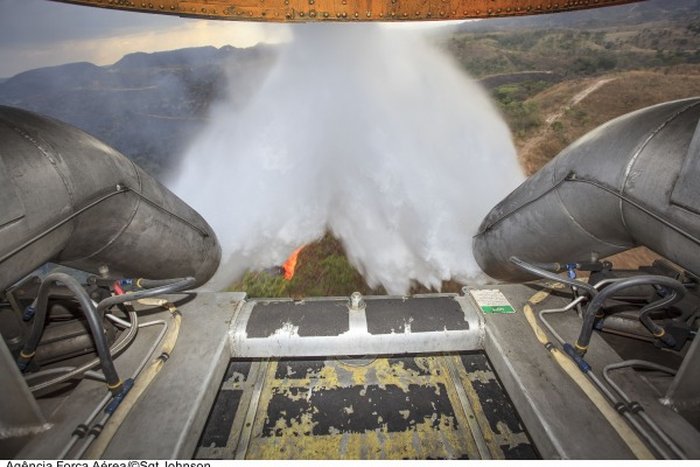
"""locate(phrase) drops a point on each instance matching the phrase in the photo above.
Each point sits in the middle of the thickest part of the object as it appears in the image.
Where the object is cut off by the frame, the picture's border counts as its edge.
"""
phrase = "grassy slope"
(645, 64)
(622, 92)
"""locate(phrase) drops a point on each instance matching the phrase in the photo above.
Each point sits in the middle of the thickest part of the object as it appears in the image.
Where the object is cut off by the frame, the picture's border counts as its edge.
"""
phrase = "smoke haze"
(365, 132)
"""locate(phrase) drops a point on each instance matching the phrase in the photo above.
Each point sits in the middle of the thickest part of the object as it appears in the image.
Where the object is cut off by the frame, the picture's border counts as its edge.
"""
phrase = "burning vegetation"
(290, 265)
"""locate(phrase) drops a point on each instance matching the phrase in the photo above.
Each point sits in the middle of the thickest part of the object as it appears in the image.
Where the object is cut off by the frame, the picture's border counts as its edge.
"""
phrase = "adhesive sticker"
(492, 301)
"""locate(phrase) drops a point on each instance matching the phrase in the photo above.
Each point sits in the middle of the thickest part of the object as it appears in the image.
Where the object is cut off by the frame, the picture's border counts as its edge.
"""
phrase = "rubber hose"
(93, 319)
(609, 291)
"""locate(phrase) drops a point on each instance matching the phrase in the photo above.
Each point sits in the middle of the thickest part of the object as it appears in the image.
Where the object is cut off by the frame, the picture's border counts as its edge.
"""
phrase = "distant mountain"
(631, 14)
(147, 105)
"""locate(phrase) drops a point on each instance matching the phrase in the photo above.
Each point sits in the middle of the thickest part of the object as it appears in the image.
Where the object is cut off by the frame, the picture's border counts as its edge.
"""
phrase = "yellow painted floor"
(408, 407)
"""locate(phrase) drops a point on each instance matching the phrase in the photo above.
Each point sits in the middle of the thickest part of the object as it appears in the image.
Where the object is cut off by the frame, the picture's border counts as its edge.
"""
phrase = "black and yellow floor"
(449, 406)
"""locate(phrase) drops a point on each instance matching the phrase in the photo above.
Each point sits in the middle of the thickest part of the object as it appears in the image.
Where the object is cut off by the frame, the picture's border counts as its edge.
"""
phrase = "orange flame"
(290, 265)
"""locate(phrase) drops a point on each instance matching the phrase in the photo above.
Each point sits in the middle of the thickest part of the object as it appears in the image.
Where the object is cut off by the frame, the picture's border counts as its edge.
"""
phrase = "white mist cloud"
(363, 131)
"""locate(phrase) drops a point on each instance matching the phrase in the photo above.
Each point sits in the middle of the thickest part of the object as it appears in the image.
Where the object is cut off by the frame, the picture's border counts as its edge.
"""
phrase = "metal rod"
(652, 424)
(630, 418)
(474, 427)
(524, 265)
(107, 398)
(603, 389)
(119, 189)
(249, 425)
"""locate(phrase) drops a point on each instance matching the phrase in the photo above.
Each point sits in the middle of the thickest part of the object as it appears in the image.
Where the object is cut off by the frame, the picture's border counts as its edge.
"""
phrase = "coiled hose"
(163, 287)
(94, 320)
(115, 350)
(677, 293)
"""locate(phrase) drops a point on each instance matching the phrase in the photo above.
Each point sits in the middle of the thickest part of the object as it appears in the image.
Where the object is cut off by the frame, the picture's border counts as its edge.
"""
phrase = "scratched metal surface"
(347, 10)
(407, 407)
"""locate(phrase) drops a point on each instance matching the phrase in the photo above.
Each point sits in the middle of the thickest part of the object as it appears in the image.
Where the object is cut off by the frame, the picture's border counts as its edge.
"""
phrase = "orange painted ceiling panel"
(347, 10)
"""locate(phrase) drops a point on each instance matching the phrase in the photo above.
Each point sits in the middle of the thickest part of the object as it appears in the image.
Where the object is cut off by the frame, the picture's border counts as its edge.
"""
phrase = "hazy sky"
(38, 33)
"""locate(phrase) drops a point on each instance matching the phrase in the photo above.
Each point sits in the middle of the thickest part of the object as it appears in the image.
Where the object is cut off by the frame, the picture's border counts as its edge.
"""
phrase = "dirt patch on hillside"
(573, 108)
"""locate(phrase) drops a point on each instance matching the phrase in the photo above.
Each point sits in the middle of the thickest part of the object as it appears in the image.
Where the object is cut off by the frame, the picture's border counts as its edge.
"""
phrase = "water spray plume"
(359, 130)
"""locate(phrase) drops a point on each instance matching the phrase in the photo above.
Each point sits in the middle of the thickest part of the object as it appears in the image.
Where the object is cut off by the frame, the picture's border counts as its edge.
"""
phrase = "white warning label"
(492, 301)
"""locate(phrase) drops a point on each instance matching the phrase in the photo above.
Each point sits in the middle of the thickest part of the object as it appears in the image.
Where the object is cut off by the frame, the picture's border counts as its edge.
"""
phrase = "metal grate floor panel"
(406, 407)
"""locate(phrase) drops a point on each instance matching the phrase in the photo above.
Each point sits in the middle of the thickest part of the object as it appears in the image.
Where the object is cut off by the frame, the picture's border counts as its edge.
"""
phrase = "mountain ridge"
(146, 105)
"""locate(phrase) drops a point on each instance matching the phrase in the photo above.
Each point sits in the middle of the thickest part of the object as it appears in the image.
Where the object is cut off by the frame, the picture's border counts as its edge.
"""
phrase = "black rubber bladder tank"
(66, 197)
(632, 181)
